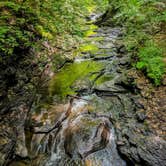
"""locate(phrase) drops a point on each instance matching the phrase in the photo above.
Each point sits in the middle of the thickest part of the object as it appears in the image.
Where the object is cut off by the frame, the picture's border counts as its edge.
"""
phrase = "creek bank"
(102, 119)
(16, 99)
(20, 90)
(151, 115)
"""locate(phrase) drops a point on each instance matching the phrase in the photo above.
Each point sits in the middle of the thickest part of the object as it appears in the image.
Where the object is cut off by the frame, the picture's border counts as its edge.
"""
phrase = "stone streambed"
(95, 119)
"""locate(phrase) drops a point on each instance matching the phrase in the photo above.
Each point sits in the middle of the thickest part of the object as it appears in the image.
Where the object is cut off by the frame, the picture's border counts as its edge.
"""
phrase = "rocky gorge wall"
(105, 116)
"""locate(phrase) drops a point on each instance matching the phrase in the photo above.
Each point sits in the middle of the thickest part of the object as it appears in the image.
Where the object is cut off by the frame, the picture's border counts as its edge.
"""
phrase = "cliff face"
(19, 80)
(33, 35)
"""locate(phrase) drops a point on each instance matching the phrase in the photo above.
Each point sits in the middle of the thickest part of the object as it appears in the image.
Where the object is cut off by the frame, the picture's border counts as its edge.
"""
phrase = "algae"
(91, 48)
(61, 83)
(103, 79)
(90, 31)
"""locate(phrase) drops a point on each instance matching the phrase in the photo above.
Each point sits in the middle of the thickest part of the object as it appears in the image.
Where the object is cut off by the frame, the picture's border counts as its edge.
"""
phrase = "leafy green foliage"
(143, 20)
(151, 61)
(14, 30)
(23, 23)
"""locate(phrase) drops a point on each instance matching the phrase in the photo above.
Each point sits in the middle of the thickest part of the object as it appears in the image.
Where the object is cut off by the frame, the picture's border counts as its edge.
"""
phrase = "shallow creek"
(78, 131)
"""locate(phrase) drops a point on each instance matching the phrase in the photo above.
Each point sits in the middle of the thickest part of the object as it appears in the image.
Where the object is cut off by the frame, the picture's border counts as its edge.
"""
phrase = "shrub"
(143, 20)
(151, 61)
(22, 23)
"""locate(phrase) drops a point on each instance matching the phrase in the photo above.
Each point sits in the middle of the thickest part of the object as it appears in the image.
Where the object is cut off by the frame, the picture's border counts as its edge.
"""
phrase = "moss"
(102, 79)
(61, 83)
(90, 31)
(92, 48)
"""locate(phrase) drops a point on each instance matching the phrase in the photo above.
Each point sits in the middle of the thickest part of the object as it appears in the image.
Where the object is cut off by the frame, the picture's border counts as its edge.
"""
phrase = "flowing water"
(79, 131)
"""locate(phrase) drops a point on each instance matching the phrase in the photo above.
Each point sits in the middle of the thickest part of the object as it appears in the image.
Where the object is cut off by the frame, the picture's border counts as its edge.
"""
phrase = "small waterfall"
(80, 132)
(83, 137)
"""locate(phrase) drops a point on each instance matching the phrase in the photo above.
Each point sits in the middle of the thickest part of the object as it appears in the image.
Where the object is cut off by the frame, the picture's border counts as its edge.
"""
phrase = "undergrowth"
(144, 21)
(150, 61)
(24, 23)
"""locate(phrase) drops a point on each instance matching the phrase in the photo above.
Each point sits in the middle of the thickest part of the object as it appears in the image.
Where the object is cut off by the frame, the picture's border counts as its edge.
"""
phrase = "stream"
(93, 110)
(78, 130)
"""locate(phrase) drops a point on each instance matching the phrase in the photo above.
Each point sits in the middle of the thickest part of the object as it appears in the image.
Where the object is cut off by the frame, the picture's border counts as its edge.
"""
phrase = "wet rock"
(141, 115)
(90, 129)
(121, 49)
(16, 100)
(127, 83)
(21, 149)
(81, 84)
(108, 88)
(138, 149)
(82, 139)
(7, 145)
(125, 61)
(153, 152)
(102, 58)
(85, 135)
(12, 134)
